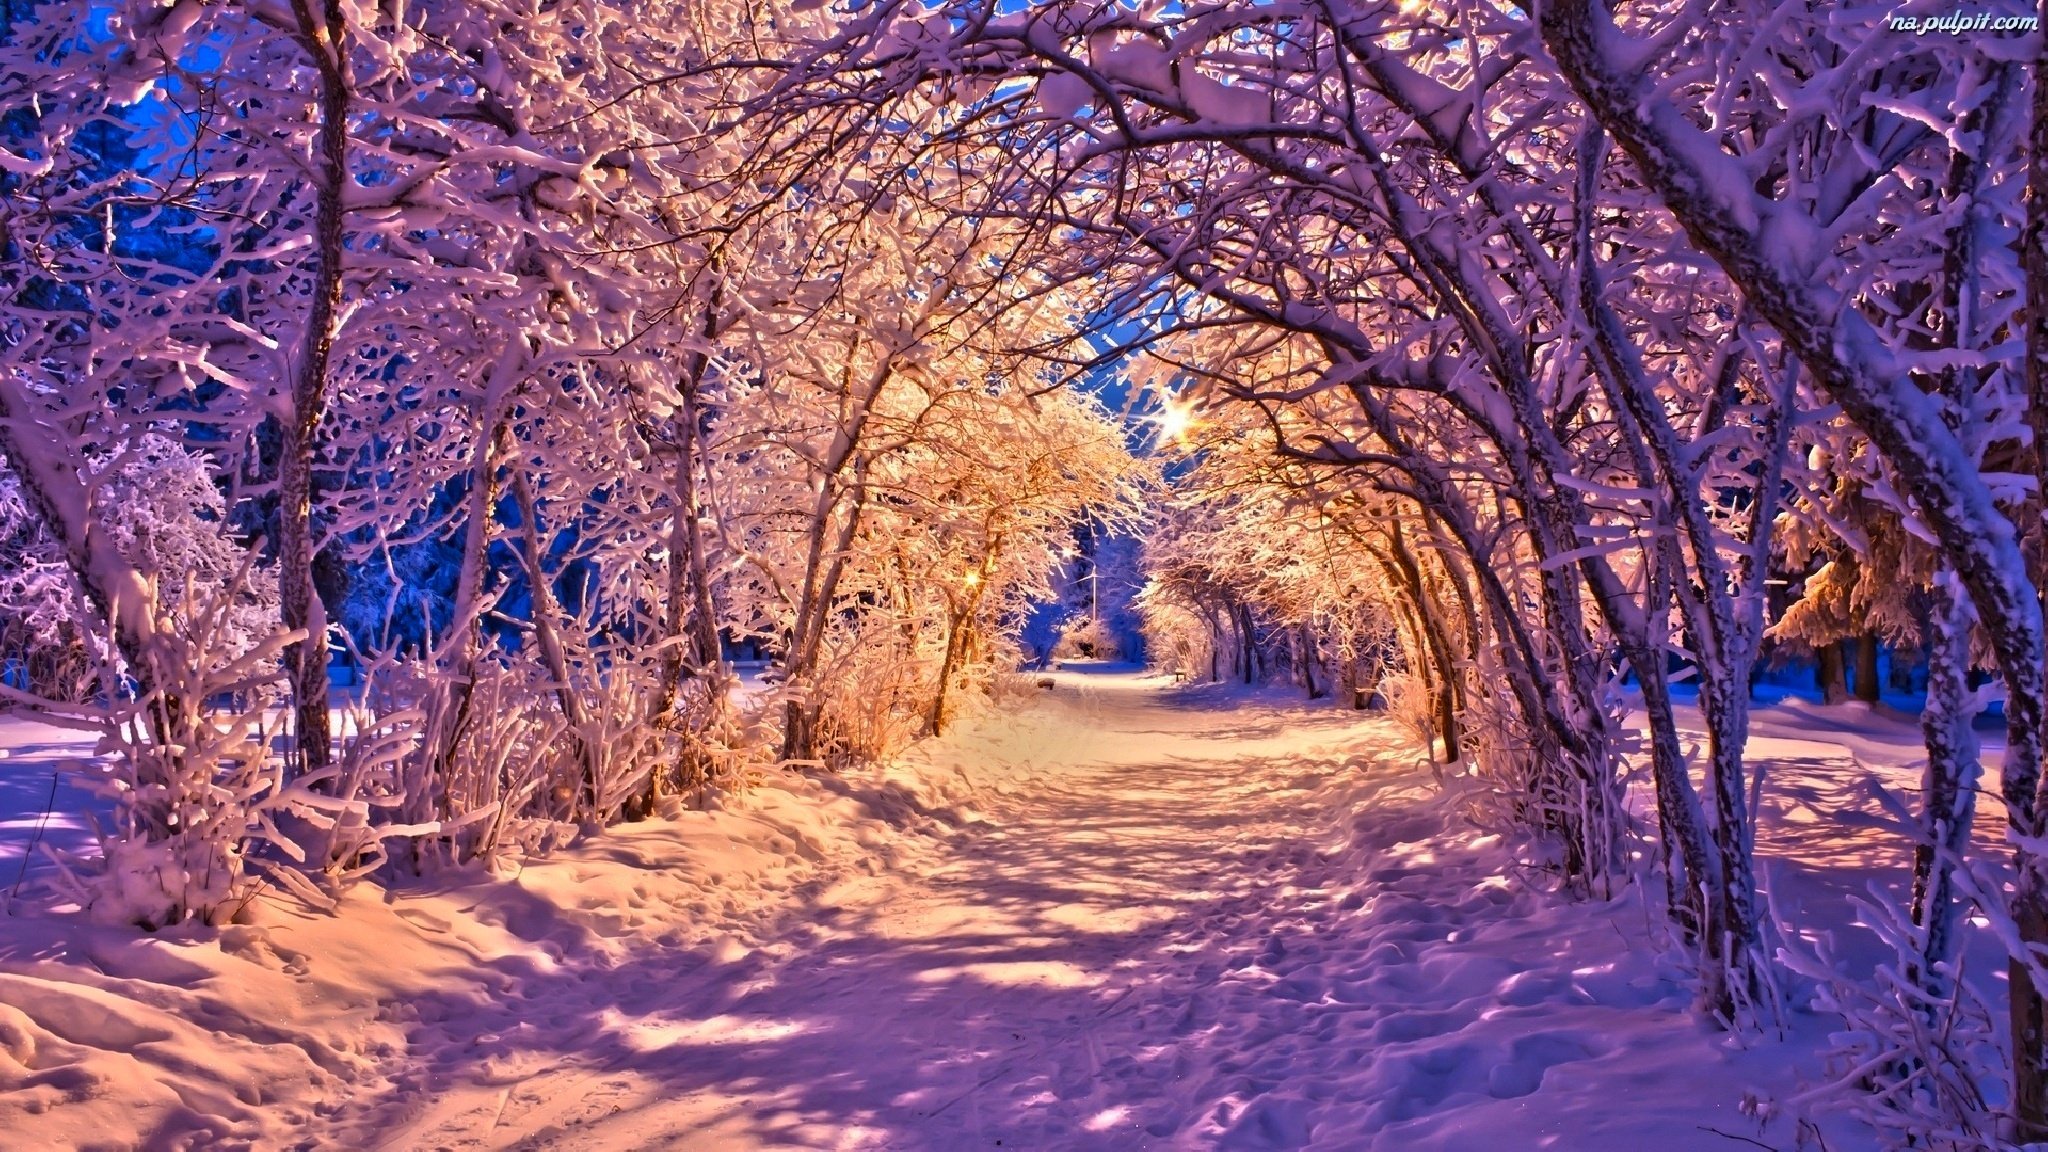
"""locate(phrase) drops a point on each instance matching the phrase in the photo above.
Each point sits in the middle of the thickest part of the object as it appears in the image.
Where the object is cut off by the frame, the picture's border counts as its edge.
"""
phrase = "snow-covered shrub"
(1918, 1057)
(622, 745)
(490, 756)
(161, 507)
(351, 808)
(42, 648)
(1565, 806)
(1089, 638)
(194, 774)
(979, 680)
(1503, 781)
(712, 743)
(197, 771)
(502, 768)
(201, 792)
(872, 693)
(1411, 705)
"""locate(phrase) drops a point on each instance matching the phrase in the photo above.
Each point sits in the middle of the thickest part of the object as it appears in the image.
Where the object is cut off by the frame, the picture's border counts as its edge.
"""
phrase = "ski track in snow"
(1124, 917)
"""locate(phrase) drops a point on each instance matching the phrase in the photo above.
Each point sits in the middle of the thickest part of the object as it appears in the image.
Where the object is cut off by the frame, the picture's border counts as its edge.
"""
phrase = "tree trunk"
(1830, 673)
(1736, 931)
(935, 719)
(690, 620)
(1692, 861)
(1408, 573)
(1241, 628)
(1899, 673)
(449, 709)
(960, 634)
(1868, 688)
(546, 615)
(824, 567)
(690, 611)
(323, 38)
(1419, 658)
(844, 501)
(1693, 876)
(1308, 663)
(1948, 784)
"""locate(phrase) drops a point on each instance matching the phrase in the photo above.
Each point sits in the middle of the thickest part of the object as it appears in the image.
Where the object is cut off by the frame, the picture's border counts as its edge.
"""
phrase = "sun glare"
(1176, 420)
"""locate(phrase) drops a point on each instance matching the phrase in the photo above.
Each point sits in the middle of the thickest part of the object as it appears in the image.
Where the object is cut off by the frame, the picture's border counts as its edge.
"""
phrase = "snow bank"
(252, 1035)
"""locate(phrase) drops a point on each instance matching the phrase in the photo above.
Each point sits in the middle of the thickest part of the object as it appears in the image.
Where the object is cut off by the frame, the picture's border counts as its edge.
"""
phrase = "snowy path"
(1166, 932)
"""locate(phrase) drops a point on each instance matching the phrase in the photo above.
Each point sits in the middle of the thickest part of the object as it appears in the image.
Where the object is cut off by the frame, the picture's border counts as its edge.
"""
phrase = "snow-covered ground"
(1122, 916)
(40, 798)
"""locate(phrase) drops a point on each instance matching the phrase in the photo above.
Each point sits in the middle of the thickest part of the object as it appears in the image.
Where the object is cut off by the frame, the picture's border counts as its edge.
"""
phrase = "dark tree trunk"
(1308, 663)
(1246, 640)
(1403, 564)
(959, 650)
(322, 37)
(1831, 673)
(1868, 688)
(1899, 673)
